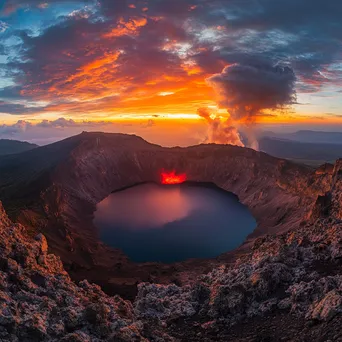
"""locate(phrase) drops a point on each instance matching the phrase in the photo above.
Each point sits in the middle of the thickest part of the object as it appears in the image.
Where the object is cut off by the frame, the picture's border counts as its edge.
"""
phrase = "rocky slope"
(294, 281)
(287, 288)
(54, 189)
(39, 302)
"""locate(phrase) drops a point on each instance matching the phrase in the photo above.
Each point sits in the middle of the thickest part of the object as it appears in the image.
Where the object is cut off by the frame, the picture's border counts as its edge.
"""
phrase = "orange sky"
(149, 60)
(106, 85)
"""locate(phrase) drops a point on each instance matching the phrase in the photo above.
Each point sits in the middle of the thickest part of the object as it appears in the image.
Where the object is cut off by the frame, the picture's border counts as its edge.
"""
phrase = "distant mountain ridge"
(308, 136)
(8, 146)
(309, 153)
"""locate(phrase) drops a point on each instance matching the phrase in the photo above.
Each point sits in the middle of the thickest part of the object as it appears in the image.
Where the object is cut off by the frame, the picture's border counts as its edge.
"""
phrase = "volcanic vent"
(171, 177)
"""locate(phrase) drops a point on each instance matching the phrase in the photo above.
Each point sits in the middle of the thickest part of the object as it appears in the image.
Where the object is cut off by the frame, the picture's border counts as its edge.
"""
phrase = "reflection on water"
(151, 222)
(145, 206)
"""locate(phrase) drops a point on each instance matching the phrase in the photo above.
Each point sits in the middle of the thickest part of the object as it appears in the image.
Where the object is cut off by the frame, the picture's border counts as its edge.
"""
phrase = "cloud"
(10, 93)
(3, 26)
(150, 123)
(48, 131)
(120, 55)
(61, 123)
(10, 130)
(10, 6)
(220, 131)
(86, 60)
(245, 90)
(18, 109)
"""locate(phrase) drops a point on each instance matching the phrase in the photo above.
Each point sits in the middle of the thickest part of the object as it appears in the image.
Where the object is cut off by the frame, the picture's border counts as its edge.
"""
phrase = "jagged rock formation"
(54, 190)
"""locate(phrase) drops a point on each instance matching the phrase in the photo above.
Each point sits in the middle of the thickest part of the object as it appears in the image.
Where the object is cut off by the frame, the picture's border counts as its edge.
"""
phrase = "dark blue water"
(153, 222)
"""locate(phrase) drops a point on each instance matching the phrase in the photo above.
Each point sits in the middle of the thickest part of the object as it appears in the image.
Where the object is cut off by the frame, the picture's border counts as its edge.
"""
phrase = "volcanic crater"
(61, 184)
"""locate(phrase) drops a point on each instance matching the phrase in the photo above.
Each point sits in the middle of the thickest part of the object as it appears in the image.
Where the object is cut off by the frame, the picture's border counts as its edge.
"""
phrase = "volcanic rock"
(39, 302)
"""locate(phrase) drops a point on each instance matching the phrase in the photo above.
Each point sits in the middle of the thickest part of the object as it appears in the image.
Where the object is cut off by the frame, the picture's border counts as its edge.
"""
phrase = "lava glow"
(172, 178)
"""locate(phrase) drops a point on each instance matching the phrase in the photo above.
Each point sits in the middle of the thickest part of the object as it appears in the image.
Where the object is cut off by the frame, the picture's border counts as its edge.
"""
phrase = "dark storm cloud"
(305, 33)
(310, 31)
(321, 17)
(58, 52)
(2, 49)
(10, 93)
(171, 9)
(247, 89)
(119, 8)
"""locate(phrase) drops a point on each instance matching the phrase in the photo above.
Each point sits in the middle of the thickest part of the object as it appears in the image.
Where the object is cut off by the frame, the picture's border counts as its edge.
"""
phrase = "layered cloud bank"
(99, 58)
(49, 131)
(164, 132)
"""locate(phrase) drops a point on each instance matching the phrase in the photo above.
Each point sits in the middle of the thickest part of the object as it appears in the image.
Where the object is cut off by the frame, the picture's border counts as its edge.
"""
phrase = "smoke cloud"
(246, 90)
(220, 131)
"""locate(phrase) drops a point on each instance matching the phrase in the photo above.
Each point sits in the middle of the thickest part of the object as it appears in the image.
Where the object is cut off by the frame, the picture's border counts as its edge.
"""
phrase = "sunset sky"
(147, 66)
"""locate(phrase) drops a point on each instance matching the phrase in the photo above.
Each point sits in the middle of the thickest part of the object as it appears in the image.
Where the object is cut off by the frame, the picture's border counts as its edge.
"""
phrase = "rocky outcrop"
(39, 302)
(281, 273)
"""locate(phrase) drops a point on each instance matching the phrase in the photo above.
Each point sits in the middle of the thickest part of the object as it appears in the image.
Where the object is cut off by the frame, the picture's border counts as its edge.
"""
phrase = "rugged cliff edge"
(288, 288)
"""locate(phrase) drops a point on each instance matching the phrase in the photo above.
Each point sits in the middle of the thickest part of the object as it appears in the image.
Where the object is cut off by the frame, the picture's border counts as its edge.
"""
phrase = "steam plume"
(246, 90)
(220, 131)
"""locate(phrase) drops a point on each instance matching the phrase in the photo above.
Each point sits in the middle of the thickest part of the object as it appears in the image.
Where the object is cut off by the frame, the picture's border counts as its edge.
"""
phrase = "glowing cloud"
(221, 131)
